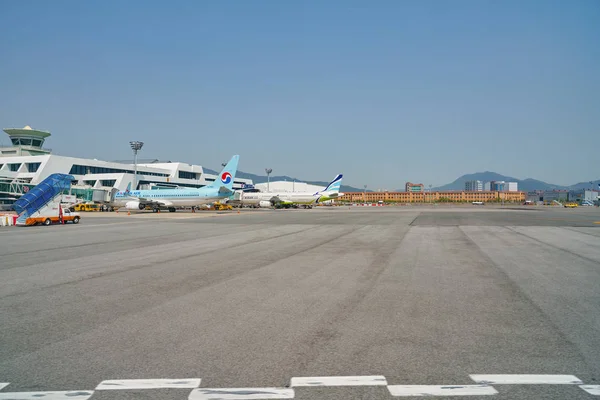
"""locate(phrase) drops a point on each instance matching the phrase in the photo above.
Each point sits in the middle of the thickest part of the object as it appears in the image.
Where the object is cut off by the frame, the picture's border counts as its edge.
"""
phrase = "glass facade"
(27, 142)
(87, 169)
(33, 167)
(187, 175)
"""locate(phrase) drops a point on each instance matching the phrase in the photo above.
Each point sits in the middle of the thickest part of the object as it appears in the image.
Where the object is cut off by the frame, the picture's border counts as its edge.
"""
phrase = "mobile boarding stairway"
(42, 201)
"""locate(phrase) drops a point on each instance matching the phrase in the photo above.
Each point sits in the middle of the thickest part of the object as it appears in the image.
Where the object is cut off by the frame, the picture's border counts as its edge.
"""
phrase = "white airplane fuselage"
(172, 198)
(255, 198)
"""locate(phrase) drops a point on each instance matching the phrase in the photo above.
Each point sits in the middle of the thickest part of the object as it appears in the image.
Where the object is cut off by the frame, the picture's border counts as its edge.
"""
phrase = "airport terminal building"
(27, 162)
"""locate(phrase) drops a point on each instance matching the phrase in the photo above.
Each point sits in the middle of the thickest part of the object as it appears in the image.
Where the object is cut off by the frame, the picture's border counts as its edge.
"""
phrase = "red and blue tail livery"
(225, 177)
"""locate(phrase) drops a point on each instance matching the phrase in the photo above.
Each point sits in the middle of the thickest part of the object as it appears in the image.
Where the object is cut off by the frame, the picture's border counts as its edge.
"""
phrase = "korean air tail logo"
(226, 177)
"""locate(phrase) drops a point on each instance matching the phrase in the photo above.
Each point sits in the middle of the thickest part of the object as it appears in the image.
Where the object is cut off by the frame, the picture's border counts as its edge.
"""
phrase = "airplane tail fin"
(227, 175)
(128, 188)
(334, 185)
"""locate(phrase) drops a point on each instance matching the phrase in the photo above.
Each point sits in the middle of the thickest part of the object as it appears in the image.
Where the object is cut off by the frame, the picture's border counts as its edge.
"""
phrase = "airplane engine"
(134, 205)
(264, 204)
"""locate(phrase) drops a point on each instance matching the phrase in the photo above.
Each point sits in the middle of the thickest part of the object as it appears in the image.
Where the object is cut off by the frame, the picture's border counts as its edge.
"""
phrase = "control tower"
(26, 142)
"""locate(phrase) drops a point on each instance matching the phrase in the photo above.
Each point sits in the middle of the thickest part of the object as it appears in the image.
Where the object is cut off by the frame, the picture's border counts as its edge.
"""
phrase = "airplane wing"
(150, 202)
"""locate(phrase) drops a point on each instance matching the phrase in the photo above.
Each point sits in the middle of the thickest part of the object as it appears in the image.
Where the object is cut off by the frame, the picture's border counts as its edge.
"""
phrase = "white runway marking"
(441, 390)
(591, 389)
(71, 395)
(241, 393)
(129, 384)
(3, 385)
(527, 379)
(376, 380)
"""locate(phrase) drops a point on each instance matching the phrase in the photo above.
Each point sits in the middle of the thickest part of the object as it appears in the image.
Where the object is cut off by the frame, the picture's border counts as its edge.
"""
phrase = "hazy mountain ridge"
(526, 185)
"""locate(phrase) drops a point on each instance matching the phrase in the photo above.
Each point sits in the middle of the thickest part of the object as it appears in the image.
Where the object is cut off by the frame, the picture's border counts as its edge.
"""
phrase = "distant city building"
(473, 186)
(497, 186)
(583, 195)
(535, 195)
(512, 186)
(502, 186)
(487, 186)
(428, 197)
(551, 195)
(414, 187)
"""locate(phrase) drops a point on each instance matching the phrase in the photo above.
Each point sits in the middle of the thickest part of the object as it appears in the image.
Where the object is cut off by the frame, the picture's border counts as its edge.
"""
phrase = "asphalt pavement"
(329, 303)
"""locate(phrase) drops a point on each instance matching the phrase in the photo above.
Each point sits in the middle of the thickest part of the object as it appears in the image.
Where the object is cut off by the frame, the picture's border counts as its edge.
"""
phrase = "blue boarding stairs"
(41, 195)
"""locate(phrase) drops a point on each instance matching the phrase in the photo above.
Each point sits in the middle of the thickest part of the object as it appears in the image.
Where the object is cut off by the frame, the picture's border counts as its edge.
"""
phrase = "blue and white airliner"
(170, 199)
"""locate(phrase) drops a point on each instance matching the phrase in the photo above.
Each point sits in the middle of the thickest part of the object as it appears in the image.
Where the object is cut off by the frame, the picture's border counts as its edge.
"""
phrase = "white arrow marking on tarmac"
(591, 389)
(71, 395)
(241, 393)
(527, 379)
(441, 390)
(376, 380)
(129, 384)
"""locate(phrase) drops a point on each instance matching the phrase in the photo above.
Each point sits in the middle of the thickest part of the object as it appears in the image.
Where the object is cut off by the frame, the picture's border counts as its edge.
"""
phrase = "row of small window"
(31, 167)
(27, 142)
(86, 169)
(103, 182)
(176, 195)
(145, 182)
(187, 175)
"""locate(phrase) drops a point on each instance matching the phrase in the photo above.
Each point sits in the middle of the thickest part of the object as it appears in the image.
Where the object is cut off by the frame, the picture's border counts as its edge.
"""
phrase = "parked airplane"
(221, 188)
(308, 199)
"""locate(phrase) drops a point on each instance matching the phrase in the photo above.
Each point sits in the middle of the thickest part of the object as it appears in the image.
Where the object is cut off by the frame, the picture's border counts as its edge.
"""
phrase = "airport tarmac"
(328, 303)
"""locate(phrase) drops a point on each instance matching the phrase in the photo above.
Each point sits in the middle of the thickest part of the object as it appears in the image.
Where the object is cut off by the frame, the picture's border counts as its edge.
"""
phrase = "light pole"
(268, 171)
(365, 194)
(135, 146)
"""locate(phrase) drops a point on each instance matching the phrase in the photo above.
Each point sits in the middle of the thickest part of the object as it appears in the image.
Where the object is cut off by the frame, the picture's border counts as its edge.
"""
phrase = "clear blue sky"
(383, 91)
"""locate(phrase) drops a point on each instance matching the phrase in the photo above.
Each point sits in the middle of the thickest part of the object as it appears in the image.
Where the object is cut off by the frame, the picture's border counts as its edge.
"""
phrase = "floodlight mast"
(135, 146)
(268, 171)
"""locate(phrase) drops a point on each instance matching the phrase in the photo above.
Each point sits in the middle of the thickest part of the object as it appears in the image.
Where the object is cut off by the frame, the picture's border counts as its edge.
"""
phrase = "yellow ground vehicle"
(85, 207)
(219, 207)
(571, 205)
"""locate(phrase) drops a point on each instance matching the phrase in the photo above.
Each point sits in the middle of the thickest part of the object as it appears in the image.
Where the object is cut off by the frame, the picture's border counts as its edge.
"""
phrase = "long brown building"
(428, 197)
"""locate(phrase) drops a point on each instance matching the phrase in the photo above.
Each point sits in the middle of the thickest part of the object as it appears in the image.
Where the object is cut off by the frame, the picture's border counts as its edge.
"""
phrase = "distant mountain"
(529, 184)
(586, 185)
(524, 185)
(459, 184)
(275, 178)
